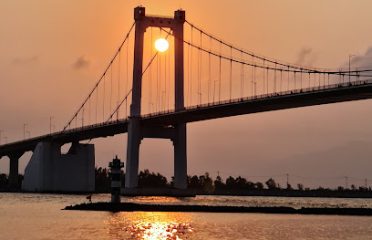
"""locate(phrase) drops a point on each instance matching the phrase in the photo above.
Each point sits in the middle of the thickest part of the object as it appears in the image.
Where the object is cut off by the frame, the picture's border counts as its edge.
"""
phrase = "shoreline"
(131, 207)
(239, 194)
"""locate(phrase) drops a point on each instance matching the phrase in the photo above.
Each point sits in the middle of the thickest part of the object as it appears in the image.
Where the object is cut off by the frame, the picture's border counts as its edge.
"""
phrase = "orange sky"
(40, 41)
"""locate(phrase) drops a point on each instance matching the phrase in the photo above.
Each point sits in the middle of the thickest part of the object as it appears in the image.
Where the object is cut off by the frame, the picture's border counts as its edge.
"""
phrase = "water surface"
(39, 216)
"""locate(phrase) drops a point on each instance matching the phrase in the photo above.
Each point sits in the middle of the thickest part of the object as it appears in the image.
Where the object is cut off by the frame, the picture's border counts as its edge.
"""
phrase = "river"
(39, 216)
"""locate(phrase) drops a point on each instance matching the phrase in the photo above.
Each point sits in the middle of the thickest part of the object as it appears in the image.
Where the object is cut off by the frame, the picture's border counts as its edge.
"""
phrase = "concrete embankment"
(129, 207)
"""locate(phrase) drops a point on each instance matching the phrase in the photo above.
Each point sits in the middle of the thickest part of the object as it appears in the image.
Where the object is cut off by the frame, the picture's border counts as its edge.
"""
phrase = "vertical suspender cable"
(328, 78)
(127, 80)
(191, 65)
(157, 84)
(267, 80)
(220, 73)
(103, 98)
(188, 73)
(168, 77)
(89, 111)
(231, 73)
(288, 80)
(119, 79)
(150, 71)
(111, 86)
(264, 77)
(319, 79)
(252, 80)
(82, 117)
(200, 61)
(209, 68)
(281, 80)
(242, 76)
(165, 82)
(275, 79)
(97, 104)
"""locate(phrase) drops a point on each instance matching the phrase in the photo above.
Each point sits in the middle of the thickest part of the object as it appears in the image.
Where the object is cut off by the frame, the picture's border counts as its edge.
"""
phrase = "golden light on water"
(161, 44)
(151, 226)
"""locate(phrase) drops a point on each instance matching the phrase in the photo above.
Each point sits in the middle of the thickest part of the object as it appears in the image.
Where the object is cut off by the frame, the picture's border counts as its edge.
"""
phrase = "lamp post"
(50, 124)
(350, 56)
(24, 130)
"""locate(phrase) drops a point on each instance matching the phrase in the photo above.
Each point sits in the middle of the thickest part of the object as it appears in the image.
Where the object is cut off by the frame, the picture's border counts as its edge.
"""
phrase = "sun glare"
(161, 45)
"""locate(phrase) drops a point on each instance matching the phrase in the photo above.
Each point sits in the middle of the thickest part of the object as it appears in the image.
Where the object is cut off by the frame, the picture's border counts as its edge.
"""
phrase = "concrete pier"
(13, 170)
(51, 171)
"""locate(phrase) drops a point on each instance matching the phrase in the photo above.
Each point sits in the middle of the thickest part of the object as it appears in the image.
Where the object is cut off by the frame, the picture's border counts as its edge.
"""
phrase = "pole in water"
(115, 172)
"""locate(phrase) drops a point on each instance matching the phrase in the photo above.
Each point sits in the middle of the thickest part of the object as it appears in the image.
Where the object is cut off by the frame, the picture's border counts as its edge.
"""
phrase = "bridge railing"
(211, 104)
(66, 132)
(268, 95)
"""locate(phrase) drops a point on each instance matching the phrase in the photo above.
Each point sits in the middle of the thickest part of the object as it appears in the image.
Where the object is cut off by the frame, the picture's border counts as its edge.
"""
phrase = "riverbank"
(193, 193)
(130, 207)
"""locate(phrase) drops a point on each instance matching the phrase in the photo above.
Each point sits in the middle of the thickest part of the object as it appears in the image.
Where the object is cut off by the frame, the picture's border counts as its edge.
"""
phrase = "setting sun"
(161, 45)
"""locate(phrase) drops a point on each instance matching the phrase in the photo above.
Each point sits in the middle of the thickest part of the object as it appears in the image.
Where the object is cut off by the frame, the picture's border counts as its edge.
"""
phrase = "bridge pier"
(51, 171)
(175, 132)
(133, 148)
(13, 170)
(180, 157)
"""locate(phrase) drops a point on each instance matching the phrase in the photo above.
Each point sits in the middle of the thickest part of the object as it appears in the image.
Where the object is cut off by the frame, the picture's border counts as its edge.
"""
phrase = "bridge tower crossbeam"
(176, 132)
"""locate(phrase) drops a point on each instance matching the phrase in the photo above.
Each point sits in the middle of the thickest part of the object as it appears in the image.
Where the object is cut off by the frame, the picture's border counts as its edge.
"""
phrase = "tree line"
(204, 184)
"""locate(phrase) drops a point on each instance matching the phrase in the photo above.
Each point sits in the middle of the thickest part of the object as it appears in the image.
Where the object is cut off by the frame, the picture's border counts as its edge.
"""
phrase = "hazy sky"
(52, 53)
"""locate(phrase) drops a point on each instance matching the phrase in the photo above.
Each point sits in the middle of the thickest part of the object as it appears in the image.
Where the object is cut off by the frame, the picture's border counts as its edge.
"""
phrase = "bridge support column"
(180, 157)
(176, 131)
(13, 170)
(132, 164)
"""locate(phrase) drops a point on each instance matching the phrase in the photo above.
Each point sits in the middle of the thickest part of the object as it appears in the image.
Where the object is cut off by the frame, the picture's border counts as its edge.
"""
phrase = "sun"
(161, 45)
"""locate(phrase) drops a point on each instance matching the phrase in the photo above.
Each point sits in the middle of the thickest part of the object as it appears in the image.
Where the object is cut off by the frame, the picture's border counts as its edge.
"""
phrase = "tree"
(241, 183)
(230, 183)
(102, 180)
(259, 185)
(147, 179)
(219, 184)
(207, 183)
(193, 182)
(271, 184)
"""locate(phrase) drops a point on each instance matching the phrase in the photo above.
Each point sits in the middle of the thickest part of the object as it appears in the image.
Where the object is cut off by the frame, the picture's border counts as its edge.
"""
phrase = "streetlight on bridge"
(50, 124)
(24, 130)
(350, 56)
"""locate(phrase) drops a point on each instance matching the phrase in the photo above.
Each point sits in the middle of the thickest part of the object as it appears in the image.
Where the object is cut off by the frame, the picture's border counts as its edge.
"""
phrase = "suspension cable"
(99, 80)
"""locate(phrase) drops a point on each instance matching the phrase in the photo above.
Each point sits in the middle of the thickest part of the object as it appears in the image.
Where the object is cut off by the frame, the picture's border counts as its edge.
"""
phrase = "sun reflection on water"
(150, 226)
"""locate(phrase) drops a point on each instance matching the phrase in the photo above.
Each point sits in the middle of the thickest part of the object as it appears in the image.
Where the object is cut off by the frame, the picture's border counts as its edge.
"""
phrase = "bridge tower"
(136, 132)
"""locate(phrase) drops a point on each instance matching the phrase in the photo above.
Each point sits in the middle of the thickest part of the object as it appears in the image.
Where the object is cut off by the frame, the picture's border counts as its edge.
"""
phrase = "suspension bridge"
(150, 94)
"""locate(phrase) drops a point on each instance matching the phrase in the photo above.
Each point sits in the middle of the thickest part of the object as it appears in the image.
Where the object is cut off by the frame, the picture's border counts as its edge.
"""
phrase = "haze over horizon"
(54, 51)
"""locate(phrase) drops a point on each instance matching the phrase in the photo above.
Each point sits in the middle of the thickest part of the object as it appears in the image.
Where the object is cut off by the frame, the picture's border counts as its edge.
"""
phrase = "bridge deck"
(284, 100)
